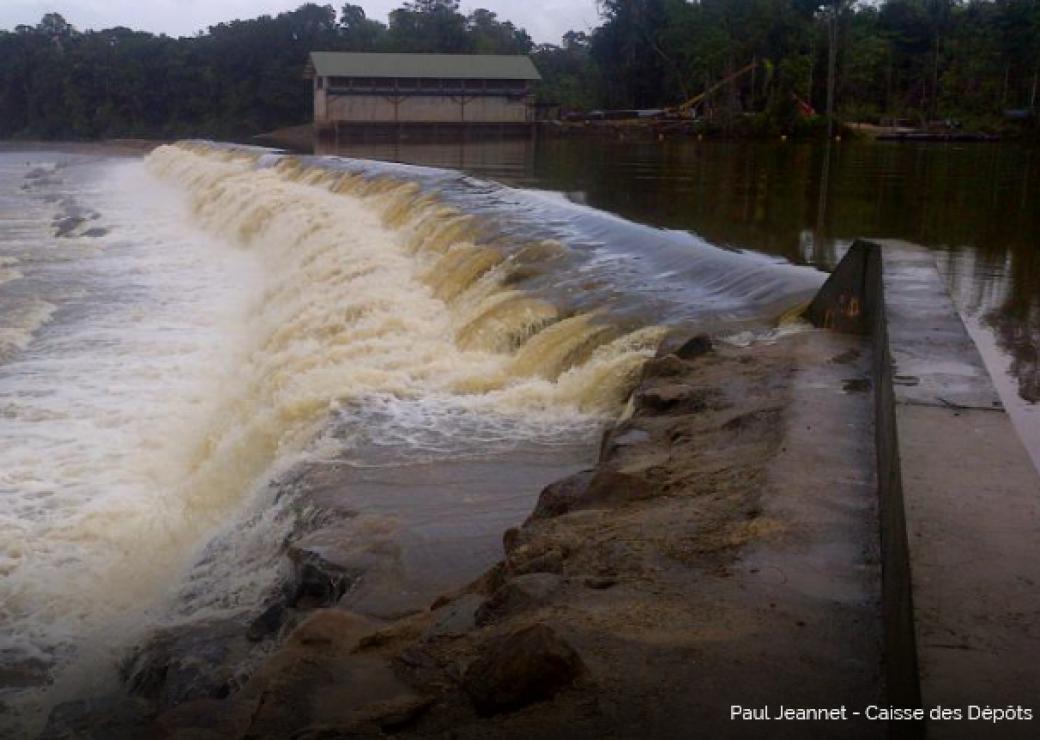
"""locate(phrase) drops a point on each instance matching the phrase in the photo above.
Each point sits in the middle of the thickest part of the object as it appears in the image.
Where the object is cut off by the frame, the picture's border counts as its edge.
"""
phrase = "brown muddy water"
(977, 205)
(182, 334)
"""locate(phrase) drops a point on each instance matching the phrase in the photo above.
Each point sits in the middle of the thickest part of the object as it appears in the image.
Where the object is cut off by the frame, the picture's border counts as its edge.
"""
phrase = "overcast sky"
(545, 20)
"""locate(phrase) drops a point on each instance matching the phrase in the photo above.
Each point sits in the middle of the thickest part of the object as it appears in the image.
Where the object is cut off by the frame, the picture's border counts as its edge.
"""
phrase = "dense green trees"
(916, 59)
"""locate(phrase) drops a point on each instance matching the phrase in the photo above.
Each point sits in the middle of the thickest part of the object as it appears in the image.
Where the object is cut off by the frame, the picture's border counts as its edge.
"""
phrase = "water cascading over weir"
(436, 346)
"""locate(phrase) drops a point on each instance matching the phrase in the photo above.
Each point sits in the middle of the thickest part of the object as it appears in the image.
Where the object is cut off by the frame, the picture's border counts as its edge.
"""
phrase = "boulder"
(694, 347)
(685, 347)
(330, 561)
(667, 366)
(527, 591)
(670, 398)
(204, 660)
(455, 618)
(529, 665)
(590, 489)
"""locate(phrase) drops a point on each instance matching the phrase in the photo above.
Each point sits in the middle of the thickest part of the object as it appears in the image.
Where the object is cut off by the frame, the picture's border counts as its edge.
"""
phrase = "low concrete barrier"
(959, 499)
(852, 300)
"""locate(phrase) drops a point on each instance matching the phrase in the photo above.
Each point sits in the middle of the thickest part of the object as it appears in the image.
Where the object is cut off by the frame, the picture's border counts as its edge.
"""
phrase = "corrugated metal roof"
(448, 66)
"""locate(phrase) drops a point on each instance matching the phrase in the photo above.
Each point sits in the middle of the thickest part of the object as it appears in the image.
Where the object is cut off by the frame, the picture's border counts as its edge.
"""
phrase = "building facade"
(434, 89)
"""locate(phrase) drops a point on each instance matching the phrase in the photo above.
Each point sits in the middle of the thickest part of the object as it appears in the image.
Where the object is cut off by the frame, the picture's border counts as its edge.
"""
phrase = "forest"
(974, 61)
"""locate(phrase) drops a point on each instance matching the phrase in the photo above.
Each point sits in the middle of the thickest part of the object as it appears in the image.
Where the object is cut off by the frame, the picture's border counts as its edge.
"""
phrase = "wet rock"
(695, 347)
(590, 489)
(318, 679)
(667, 366)
(455, 618)
(674, 397)
(336, 627)
(526, 666)
(330, 561)
(685, 347)
(523, 561)
(511, 539)
(108, 718)
(527, 591)
(193, 661)
(268, 623)
(620, 437)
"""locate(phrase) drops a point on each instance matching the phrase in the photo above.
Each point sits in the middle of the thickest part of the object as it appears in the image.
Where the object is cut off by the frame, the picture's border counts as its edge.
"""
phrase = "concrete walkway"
(959, 503)
(972, 502)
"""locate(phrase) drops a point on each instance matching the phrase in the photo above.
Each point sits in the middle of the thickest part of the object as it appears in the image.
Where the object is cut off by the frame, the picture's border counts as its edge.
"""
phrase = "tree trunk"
(1036, 80)
(812, 66)
(934, 102)
(832, 65)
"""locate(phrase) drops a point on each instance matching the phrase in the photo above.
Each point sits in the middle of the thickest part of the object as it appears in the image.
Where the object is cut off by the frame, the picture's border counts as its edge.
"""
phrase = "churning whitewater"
(177, 332)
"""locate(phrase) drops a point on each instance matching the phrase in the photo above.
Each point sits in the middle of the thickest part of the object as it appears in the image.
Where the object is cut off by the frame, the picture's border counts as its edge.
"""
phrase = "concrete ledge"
(958, 495)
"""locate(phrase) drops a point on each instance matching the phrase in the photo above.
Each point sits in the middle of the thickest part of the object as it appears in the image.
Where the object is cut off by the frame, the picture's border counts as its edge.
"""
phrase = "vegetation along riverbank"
(971, 65)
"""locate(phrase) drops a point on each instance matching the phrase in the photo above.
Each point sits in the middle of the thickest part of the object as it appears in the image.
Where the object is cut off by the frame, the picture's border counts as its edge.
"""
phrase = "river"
(183, 331)
(451, 324)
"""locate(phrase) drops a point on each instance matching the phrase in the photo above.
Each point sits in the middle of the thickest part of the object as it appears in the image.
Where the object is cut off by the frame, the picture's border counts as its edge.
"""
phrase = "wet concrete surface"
(972, 502)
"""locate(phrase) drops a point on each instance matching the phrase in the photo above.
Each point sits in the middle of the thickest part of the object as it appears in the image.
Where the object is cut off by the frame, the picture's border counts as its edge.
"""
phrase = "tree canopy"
(895, 58)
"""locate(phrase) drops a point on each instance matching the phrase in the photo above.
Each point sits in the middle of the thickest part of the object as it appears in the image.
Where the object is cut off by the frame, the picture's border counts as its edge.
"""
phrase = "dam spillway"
(229, 312)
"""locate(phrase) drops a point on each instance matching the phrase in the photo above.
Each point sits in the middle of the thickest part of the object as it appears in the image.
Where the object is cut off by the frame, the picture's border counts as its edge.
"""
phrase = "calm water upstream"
(978, 205)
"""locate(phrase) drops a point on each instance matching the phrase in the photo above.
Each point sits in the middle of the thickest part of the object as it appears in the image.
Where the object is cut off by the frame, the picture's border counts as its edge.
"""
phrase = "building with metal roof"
(366, 89)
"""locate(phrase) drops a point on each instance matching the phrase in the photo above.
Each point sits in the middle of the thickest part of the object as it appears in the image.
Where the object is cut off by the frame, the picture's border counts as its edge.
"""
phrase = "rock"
(600, 582)
(523, 561)
(684, 347)
(455, 618)
(268, 623)
(619, 437)
(317, 677)
(590, 489)
(511, 539)
(667, 366)
(107, 718)
(193, 661)
(330, 561)
(526, 591)
(526, 666)
(695, 347)
(674, 397)
(336, 627)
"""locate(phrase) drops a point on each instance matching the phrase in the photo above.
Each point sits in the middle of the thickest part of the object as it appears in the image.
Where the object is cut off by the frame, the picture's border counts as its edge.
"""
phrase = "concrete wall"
(852, 301)
(420, 109)
(959, 498)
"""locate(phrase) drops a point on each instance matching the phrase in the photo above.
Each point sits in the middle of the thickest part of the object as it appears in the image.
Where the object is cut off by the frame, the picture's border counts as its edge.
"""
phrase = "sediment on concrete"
(959, 498)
